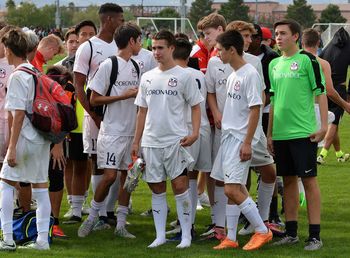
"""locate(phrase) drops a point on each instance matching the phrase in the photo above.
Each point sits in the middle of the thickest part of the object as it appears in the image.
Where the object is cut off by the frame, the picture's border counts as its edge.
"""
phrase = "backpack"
(53, 115)
(24, 228)
(101, 110)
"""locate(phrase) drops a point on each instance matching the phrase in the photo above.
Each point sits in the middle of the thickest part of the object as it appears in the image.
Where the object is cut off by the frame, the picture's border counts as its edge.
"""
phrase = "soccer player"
(102, 46)
(25, 141)
(292, 133)
(164, 95)
(241, 134)
(118, 124)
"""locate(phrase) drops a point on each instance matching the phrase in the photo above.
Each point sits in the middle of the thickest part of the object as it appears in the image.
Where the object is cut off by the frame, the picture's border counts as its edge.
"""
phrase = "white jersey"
(167, 95)
(244, 88)
(218, 72)
(120, 116)
(199, 78)
(5, 72)
(101, 50)
(145, 60)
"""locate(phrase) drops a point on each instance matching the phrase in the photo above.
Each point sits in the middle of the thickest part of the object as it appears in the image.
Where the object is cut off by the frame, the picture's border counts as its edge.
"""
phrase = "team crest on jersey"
(172, 82)
(237, 86)
(294, 66)
(2, 73)
(134, 72)
(141, 64)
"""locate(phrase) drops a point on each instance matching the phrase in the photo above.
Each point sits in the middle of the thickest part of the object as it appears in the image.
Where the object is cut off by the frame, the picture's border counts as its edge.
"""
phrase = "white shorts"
(216, 142)
(331, 118)
(114, 151)
(163, 163)
(4, 137)
(90, 135)
(32, 163)
(261, 155)
(201, 153)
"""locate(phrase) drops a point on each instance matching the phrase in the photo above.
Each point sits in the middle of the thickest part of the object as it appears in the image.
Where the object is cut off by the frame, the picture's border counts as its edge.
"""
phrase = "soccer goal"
(329, 29)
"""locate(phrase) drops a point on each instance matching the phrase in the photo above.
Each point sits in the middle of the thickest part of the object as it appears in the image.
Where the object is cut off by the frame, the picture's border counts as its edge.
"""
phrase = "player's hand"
(131, 93)
(318, 136)
(245, 153)
(347, 108)
(270, 146)
(97, 119)
(57, 156)
(217, 120)
(11, 157)
(188, 140)
(135, 150)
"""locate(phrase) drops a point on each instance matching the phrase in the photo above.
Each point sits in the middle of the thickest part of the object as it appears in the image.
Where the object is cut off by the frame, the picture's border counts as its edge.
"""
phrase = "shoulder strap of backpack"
(112, 79)
(136, 67)
(33, 72)
(90, 44)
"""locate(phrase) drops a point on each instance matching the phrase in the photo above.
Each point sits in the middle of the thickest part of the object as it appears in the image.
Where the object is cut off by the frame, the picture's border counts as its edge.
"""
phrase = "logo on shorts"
(308, 171)
(172, 82)
(237, 86)
(294, 66)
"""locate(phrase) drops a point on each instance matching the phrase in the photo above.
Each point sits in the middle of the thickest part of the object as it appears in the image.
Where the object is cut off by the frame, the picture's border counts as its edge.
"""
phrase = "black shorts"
(296, 157)
(75, 147)
(338, 111)
(265, 122)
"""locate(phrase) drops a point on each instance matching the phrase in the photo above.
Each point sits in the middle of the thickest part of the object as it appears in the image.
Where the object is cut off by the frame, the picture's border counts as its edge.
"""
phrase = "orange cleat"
(226, 244)
(258, 240)
(57, 232)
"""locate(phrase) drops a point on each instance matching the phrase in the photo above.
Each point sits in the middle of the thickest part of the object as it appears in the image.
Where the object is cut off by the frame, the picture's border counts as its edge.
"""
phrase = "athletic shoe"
(210, 230)
(85, 228)
(226, 244)
(101, 224)
(175, 223)
(85, 210)
(320, 160)
(72, 220)
(178, 236)
(277, 220)
(4, 246)
(287, 240)
(175, 230)
(218, 234)
(199, 206)
(147, 213)
(313, 244)
(246, 230)
(36, 246)
(276, 230)
(204, 199)
(344, 158)
(122, 232)
(258, 240)
(111, 218)
(242, 219)
(69, 213)
(57, 232)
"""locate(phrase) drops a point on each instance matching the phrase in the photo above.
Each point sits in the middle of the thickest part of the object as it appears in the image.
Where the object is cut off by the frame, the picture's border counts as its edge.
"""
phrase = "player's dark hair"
(16, 41)
(182, 50)
(293, 25)
(110, 8)
(83, 24)
(231, 38)
(125, 32)
(167, 36)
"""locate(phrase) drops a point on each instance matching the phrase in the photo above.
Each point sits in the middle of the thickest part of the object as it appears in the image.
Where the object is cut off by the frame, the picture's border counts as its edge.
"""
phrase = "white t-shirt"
(199, 78)
(218, 72)
(120, 116)
(101, 51)
(167, 95)
(146, 60)
(243, 91)
(20, 95)
(5, 72)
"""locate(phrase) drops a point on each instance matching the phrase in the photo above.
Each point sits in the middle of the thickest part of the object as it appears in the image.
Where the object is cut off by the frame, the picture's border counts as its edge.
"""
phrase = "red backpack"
(53, 114)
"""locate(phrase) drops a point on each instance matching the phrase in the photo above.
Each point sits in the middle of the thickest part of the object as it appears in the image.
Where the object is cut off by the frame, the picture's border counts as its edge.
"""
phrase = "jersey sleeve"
(101, 80)
(252, 92)
(261, 73)
(82, 57)
(17, 92)
(210, 78)
(272, 83)
(191, 93)
(316, 76)
(141, 94)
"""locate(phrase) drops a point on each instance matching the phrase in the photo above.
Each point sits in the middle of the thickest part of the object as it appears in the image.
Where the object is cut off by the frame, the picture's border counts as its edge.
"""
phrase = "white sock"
(6, 212)
(265, 193)
(113, 193)
(94, 210)
(184, 207)
(160, 213)
(232, 216)
(212, 213)
(122, 212)
(220, 209)
(250, 211)
(77, 204)
(43, 211)
(194, 197)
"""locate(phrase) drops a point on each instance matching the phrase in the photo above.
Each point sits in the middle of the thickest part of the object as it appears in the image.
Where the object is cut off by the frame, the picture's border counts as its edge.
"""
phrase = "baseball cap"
(266, 33)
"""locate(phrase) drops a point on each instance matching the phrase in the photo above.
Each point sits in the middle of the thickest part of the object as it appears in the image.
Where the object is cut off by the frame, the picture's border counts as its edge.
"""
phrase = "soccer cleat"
(85, 228)
(276, 230)
(313, 244)
(72, 220)
(175, 223)
(134, 172)
(101, 224)
(57, 232)
(176, 238)
(320, 160)
(69, 213)
(199, 206)
(258, 240)
(157, 242)
(36, 246)
(226, 244)
(85, 210)
(344, 158)
(4, 246)
(218, 234)
(246, 230)
(204, 199)
(122, 232)
(210, 230)
(287, 240)
(174, 230)
(147, 213)
(277, 220)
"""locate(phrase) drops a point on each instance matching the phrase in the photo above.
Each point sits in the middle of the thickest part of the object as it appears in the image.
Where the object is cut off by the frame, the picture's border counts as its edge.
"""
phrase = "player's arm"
(323, 105)
(253, 120)
(212, 103)
(97, 99)
(140, 125)
(196, 121)
(16, 127)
